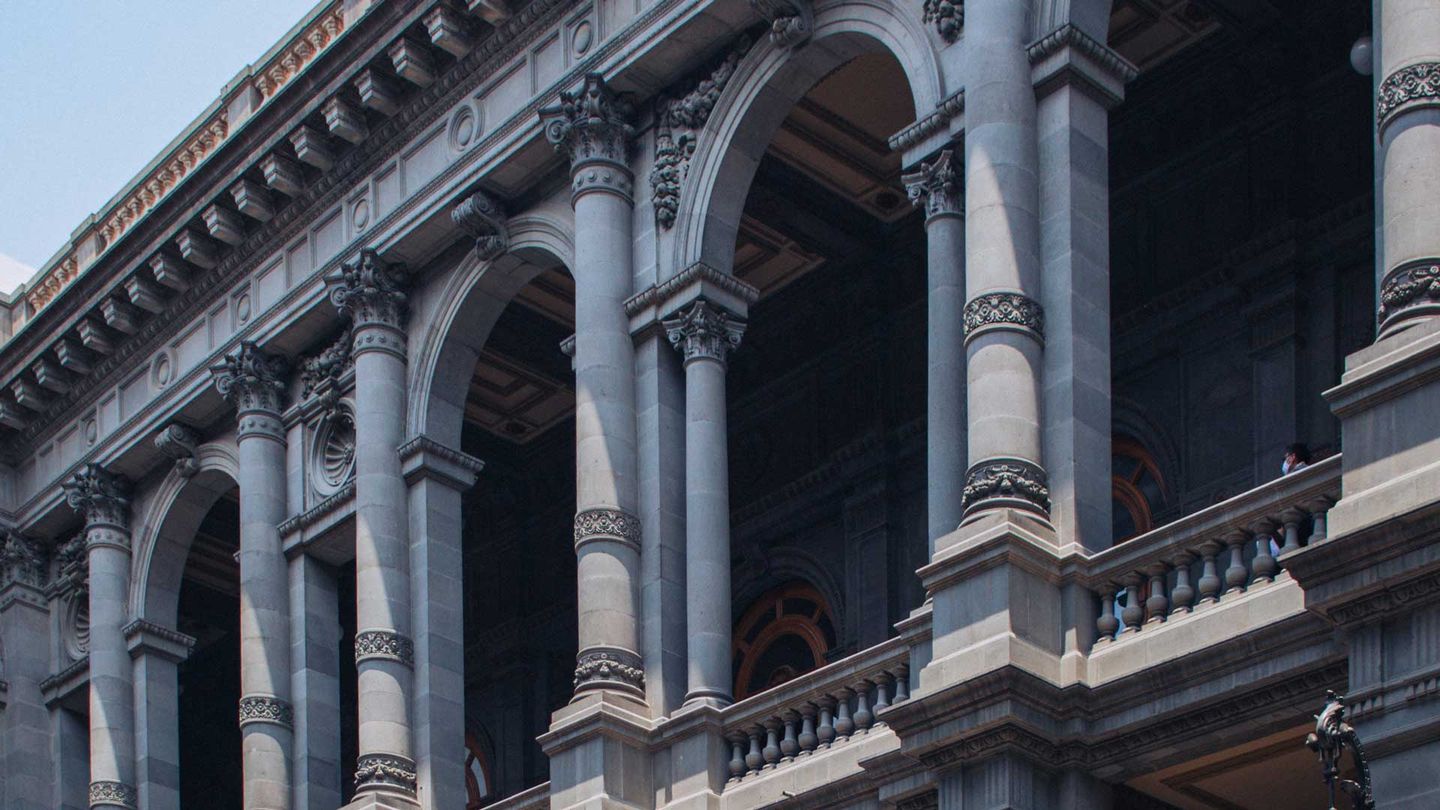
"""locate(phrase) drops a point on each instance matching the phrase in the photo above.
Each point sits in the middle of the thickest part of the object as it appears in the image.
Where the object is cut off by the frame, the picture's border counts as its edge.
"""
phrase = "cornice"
(312, 515)
(661, 295)
(934, 121)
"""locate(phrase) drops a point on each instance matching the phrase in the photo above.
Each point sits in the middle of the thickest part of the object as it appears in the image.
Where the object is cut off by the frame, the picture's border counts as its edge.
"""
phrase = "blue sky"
(91, 90)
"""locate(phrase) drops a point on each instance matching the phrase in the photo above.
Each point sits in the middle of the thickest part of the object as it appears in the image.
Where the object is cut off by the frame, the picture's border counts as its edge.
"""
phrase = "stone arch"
(790, 564)
(162, 543)
(459, 313)
(766, 85)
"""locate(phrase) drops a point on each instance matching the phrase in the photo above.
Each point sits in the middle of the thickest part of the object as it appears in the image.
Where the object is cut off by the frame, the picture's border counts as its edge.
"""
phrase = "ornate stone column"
(254, 382)
(369, 292)
(1407, 158)
(937, 186)
(102, 498)
(1004, 325)
(27, 770)
(705, 335)
(592, 127)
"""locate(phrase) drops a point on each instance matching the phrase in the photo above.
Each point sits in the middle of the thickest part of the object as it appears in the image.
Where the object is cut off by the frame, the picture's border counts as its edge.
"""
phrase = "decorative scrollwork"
(1418, 82)
(369, 291)
(791, 21)
(266, 709)
(1332, 736)
(1006, 482)
(948, 17)
(179, 442)
(76, 632)
(591, 124)
(1409, 285)
(702, 331)
(599, 667)
(112, 794)
(72, 566)
(937, 186)
(483, 217)
(334, 457)
(385, 645)
(251, 379)
(1004, 309)
(388, 771)
(611, 524)
(321, 374)
(101, 496)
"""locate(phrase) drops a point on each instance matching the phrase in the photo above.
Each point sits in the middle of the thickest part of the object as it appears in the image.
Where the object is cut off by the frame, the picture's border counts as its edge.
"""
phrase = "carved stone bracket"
(677, 120)
(266, 709)
(609, 667)
(72, 567)
(369, 291)
(179, 442)
(385, 772)
(252, 380)
(1410, 289)
(483, 218)
(948, 17)
(1004, 310)
(102, 497)
(1006, 482)
(1419, 82)
(607, 524)
(384, 645)
(704, 332)
(20, 560)
(592, 124)
(320, 375)
(791, 21)
(937, 186)
(112, 794)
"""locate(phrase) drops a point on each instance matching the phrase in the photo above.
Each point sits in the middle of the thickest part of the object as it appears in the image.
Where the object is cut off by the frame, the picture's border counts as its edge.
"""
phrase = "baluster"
(902, 683)
(864, 718)
(789, 746)
(808, 739)
(882, 695)
(1106, 624)
(1157, 605)
(771, 752)
(826, 732)
(737, 756)
(1209, 580)
(1290, 519)
(1181, 597)
(1318, 508)
(754, 759)
(844, 726)
(1264, 564)
(1236, 575)
(1133, 614)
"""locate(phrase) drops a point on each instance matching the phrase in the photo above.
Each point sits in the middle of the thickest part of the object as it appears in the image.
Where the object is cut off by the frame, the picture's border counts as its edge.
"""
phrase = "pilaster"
(26, 770)
(157, 651)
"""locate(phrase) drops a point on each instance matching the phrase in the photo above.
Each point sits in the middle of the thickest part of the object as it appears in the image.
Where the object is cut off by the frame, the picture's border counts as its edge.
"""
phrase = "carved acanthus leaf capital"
(703, 331)
(937, 186)
(72, 566)
(102, 497)
(179, 443)
(483, 218)
(251, 379)
(370, 291)
(590, 124)
(20, 560)
(791, 21)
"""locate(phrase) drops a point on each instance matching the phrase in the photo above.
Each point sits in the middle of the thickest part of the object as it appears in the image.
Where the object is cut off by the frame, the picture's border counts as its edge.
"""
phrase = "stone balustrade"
(817, 711)
(1212, 555)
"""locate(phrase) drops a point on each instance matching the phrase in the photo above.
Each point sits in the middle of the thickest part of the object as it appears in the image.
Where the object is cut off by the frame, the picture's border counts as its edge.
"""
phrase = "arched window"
(478, 786)
(784, 634)
(1136, 486)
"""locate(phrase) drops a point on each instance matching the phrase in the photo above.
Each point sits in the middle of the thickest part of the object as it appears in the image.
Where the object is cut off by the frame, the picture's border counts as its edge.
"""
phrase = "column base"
(599, 750)
(382, 800)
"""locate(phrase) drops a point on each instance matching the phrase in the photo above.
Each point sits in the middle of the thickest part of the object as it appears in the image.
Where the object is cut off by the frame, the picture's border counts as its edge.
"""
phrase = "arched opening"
(1137, 487)
(478, 781)
(782, 635)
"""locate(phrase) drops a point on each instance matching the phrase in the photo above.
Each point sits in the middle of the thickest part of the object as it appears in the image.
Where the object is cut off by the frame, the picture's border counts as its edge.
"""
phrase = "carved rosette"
(1410, 289)
(607, 524)
(937, 186)
(385, 772)
(103, 498)
(483, 218)
(704, 332)
(112, 794)
(1419, 83)
(266, 709)
(593, 127)
(179, 443)
(600, 668)
(1000, 482)
(370, 291)
(20, 560)
(948, 17)
(1004, 310)
(791, 21)
(384, 645)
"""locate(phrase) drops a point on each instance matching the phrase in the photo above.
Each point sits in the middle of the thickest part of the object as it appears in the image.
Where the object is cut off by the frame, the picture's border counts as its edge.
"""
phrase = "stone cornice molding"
(291, 60)
(937, 186)
(704, 332)
(1411, 86)
(483, 218)
(101, 497)
(425, 458)
(144, 637)
(952, 106)
(370, 292)
(253, 381)
(179, 441)
(315, 513)
(696, 281)
(1069, 54)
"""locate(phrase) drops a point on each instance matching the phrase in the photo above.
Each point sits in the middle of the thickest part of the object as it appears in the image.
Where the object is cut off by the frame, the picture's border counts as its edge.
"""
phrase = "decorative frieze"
(1006, 482)
(160, 182)
(791, 21)
(251, 379)
(1413, 284)
(112, 794)
(607, 524)
(591, 124)
(369, 291)
(50, 284)
(937, 186)
(288, 64)
(600, 667)
(704, 332)
(385, 771)
(677, 122)
(1408, 594)
(385, 645)
(266, 709)
(20, 560)
(948, 17)
(483, 218)
(1419, 82)
(1004, 310)
(179, 442)
(101, 497)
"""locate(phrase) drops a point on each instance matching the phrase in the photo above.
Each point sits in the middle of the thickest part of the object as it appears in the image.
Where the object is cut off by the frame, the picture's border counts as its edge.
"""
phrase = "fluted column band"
(1006, 482)
(380, 771)
(1410, 290)
(1009, 311)
(615, 525)
(106, 793)
(1411, 86)
(610, 667)
(266, 709)
(385, 645)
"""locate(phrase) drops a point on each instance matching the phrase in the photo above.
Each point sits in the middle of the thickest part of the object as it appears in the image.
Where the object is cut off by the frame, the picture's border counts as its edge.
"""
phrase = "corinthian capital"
(20, 560)
(251, 379)
(703, 332)
(102, 497)
(369, 291)
(593, 124)
(937, 186)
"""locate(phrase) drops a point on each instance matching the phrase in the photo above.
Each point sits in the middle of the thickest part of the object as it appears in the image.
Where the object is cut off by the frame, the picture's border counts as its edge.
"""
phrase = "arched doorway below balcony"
(785, 633)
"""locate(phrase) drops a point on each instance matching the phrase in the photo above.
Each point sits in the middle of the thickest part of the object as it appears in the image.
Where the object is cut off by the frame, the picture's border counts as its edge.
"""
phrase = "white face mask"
(1285, 467)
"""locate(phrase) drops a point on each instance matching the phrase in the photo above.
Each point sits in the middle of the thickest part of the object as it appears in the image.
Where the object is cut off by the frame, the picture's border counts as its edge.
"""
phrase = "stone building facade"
(744, 403)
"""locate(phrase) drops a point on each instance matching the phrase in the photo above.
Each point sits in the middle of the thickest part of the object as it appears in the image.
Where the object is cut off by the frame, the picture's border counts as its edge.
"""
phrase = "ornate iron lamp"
(1331, 737)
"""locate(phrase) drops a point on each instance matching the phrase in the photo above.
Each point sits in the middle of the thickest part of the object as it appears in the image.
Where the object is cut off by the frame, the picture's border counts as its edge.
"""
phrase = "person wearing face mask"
(1297, 457)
